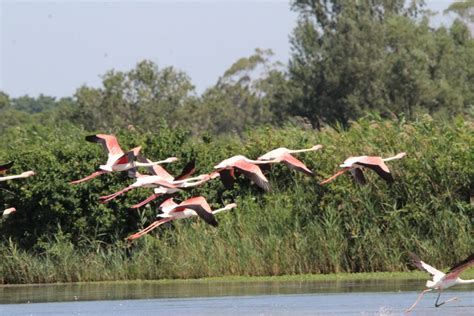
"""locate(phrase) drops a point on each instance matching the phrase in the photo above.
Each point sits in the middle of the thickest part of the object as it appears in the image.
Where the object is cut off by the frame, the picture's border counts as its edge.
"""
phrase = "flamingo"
(162, 190)
(117, 159)
(355, 165)
(196, 206)
(440, 280)
(156, 181)
(283, 154)
(8, 211)
(248, 167)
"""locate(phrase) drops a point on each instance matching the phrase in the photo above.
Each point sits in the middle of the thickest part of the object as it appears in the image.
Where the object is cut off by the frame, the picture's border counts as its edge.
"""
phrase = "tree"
(4, 100)
(139, 97)
(357, 56)
(245, 95)
(464, 9)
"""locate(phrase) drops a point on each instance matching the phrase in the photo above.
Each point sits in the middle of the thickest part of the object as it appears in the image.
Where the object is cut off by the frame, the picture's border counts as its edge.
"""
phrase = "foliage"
(465, 9)
(243, 97)
(352, 63)
(299, 227)
(352, 57)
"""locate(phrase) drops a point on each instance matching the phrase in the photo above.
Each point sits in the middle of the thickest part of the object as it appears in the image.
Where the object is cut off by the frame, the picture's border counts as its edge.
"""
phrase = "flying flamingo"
(283, 154)
(5, 167)
(156, 181)
(440, 280)
(117, 159)
(355, 165)
(196, 206)
(8, 211)
(248, 167)
(168, 189)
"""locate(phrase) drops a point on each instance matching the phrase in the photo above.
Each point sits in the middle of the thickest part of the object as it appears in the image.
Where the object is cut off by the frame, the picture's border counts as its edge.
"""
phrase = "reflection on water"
(347, 304)
(194, 288)
(230, 298)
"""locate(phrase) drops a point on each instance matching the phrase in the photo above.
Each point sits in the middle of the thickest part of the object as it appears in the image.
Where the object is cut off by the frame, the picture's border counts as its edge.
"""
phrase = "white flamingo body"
(441, 281)
(230, 162)
(9, 211)
(285, 156)
(279, 152)
(247, 166)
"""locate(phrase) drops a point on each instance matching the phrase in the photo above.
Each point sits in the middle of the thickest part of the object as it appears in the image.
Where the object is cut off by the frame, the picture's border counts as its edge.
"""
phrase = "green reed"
(297, 228)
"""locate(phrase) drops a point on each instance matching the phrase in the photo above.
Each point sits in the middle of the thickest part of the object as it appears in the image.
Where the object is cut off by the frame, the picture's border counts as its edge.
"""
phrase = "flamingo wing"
(254, 173)
(227, 177)
(6, 166)
(379, 170)
(187, 171)
(424, 266)
(109, 142)
(372, 160)
(169, 202)
(202, 209)
(296, 164)
(358, 175)
(461, 266)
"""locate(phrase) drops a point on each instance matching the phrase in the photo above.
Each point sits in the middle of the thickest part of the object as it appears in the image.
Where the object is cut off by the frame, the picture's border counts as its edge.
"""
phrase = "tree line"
(347, 58)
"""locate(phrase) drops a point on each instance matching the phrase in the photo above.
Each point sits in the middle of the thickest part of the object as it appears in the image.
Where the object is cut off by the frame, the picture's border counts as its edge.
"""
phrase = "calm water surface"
(230, 298)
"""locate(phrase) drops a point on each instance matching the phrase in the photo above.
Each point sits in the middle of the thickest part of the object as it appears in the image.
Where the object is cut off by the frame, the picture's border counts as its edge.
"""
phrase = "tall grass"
(297, 228)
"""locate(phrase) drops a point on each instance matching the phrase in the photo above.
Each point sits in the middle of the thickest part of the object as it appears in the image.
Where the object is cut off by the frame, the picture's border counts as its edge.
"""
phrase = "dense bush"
(299, 227)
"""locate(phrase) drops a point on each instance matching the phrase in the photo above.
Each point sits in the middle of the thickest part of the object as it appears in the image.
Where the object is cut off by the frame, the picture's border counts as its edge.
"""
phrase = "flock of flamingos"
(164, 183)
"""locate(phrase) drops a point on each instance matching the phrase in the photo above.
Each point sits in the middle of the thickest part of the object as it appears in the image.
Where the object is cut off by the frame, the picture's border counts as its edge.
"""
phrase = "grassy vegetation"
(300, 228)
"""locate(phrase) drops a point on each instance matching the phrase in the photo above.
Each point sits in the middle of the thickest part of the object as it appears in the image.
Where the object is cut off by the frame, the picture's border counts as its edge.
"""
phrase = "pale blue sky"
(55, 47)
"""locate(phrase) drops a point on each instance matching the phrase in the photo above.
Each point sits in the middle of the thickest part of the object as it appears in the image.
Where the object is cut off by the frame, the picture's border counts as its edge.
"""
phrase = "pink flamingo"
(117, 159)
(283, 154)
(440, 280)
(355, 165)
(196, 206)
(163, 189)
(248, 167)
(162, 186)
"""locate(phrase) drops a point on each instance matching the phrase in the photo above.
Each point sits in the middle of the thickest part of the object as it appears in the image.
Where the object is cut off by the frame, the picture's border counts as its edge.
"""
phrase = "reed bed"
(63, 235)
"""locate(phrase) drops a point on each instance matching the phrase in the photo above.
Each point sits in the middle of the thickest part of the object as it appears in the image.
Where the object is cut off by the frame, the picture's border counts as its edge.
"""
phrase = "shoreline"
(333, 277)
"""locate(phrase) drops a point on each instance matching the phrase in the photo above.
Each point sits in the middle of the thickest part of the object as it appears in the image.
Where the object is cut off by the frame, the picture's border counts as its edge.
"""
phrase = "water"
(231, 298)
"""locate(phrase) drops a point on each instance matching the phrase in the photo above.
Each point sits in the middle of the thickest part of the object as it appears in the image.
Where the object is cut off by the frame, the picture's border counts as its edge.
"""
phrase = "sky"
(53, 48)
